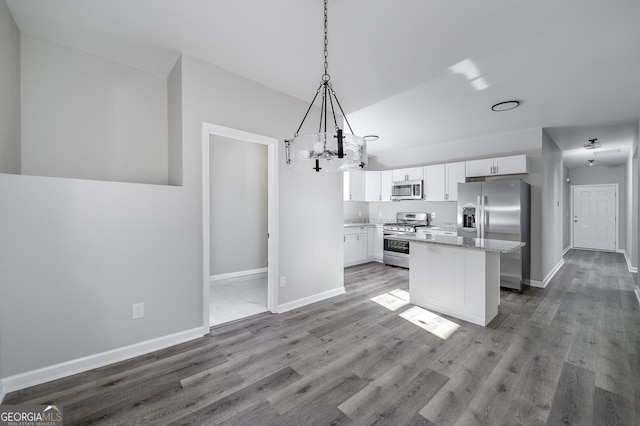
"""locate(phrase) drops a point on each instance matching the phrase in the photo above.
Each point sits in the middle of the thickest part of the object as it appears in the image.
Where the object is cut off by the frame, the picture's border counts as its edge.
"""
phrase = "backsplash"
(363, 212)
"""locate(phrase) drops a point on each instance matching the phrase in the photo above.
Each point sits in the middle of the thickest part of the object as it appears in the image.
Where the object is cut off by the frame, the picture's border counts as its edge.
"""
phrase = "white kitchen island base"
(461, 282)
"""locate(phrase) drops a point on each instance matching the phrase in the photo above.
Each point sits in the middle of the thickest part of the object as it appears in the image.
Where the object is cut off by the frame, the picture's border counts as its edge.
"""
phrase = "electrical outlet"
(433, 215)
(137, 311)
(283, 281)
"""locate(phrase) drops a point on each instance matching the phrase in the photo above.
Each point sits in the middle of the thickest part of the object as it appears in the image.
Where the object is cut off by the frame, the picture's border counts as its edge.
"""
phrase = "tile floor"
(236, 298)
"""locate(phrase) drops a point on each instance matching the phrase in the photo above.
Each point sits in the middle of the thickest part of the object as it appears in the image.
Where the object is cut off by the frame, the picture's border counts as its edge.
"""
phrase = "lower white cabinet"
(375, 242)
(355, 245)
(362, 244)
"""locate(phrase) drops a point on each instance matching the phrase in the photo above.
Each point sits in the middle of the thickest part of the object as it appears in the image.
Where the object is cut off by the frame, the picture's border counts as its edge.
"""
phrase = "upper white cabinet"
(441, 181)
(434, 182)
(411, 173)
(372, 186)
(455, 173)
(386, 181)
(354, 186)
(512, 165)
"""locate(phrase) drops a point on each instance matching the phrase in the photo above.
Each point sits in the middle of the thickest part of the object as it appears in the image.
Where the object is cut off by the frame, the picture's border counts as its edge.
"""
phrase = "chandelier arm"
(323, 112)
(308, 109)
(342, 111)
(333, 110)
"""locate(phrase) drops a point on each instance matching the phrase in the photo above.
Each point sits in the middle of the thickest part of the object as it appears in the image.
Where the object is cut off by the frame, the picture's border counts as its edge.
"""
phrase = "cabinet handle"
(358, 237)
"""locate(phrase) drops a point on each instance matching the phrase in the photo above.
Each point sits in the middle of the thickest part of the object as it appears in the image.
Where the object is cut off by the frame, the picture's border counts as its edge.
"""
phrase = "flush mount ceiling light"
(592, 144)
(329, 149)
(591, 163)
(505, 106)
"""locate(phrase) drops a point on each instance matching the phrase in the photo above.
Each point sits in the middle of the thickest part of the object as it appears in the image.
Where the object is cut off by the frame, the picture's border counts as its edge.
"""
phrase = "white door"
(594, 217)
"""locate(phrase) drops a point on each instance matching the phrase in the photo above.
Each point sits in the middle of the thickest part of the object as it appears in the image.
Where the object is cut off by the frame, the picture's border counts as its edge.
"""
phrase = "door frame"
(209, 130)
(617, 231)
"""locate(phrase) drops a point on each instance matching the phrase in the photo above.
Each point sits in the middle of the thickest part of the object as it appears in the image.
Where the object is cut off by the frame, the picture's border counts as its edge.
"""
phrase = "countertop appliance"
(406, 190)
(395, 252)
(499, 210)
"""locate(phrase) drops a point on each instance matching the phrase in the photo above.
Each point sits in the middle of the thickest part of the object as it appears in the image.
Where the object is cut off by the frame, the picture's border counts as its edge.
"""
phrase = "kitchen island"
(457, 276)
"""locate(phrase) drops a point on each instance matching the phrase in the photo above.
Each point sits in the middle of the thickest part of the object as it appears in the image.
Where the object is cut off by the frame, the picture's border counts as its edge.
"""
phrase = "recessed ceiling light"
(370, 138)
(505, 106)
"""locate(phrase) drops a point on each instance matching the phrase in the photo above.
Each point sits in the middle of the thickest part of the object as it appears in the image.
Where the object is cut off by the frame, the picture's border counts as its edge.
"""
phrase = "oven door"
(396, 253)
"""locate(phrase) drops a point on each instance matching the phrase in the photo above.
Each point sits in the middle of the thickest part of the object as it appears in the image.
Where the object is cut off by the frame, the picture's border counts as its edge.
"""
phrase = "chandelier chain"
(325, 77)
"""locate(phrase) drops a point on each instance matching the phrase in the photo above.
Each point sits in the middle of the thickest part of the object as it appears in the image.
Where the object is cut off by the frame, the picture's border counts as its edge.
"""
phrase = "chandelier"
(330, 149)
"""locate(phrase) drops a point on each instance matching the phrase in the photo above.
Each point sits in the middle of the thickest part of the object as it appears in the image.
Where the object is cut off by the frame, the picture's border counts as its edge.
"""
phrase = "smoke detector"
(592, 144)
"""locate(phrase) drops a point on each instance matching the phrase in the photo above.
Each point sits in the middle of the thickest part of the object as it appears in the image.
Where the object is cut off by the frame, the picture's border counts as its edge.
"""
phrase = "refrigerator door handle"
(480, 217)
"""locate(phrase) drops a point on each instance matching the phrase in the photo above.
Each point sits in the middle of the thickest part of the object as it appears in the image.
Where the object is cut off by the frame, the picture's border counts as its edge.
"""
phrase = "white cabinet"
(411, 173)
(372, 186)
(441, 181)
(377, 186)
(454, 174)
(375, 243)
(434, 183)
(511, 165)
(353, 186)
(386, 180)
(355, 245)
(514, 164)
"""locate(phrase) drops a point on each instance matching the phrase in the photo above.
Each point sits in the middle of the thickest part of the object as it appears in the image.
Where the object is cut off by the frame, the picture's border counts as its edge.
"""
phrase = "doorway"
(595, 217)
(244, 278)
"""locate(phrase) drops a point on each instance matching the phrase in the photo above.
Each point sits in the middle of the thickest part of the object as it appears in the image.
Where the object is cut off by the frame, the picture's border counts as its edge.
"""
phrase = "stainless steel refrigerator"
(499, 210)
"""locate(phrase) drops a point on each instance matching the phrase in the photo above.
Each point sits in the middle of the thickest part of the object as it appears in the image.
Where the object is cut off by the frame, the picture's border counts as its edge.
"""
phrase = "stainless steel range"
(395, 252)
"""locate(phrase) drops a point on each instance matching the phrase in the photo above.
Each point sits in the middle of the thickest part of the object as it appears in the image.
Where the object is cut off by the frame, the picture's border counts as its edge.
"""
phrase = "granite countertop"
(465, 242)
(354, 225)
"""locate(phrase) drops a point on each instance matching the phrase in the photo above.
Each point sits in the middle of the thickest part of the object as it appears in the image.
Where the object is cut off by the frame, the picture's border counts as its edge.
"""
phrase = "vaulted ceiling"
(406, 70)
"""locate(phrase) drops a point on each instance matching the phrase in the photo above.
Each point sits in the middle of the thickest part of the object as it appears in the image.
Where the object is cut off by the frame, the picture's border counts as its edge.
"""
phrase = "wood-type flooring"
(567, 354)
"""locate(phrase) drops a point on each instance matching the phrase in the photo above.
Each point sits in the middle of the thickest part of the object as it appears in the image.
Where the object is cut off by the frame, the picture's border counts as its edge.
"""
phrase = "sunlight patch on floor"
(434, 324)
(392, 300)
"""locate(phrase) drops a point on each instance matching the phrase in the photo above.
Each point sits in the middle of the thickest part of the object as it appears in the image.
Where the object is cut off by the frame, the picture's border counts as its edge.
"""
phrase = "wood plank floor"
(567, 354)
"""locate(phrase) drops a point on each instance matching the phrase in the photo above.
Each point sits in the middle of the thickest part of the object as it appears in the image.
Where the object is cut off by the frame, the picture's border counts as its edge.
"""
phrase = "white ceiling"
(574, 64)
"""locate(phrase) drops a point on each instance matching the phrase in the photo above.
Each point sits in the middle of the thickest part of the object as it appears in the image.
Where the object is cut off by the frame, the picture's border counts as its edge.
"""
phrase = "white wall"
(310, 204)
(597, 175)
(239, 194)
(76, 254)
(566, 208)
(174, 121)
(523, 142)
(10, 90)
(552, 205)
(89, 118)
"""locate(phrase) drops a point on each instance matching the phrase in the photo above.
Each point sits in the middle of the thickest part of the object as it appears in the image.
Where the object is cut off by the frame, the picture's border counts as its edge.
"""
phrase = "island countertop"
(486, 244)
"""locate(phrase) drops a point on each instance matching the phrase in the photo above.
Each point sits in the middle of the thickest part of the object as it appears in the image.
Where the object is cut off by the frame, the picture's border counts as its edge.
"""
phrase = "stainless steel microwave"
(406, 190)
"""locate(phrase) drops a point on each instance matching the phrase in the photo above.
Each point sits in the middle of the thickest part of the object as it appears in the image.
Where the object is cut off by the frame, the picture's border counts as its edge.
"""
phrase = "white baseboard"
(566, 250)
(633, 269)
(310, 299)
(549, 276)
(539, 284)
(68, 368)
(237, 274)
(636, 290)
